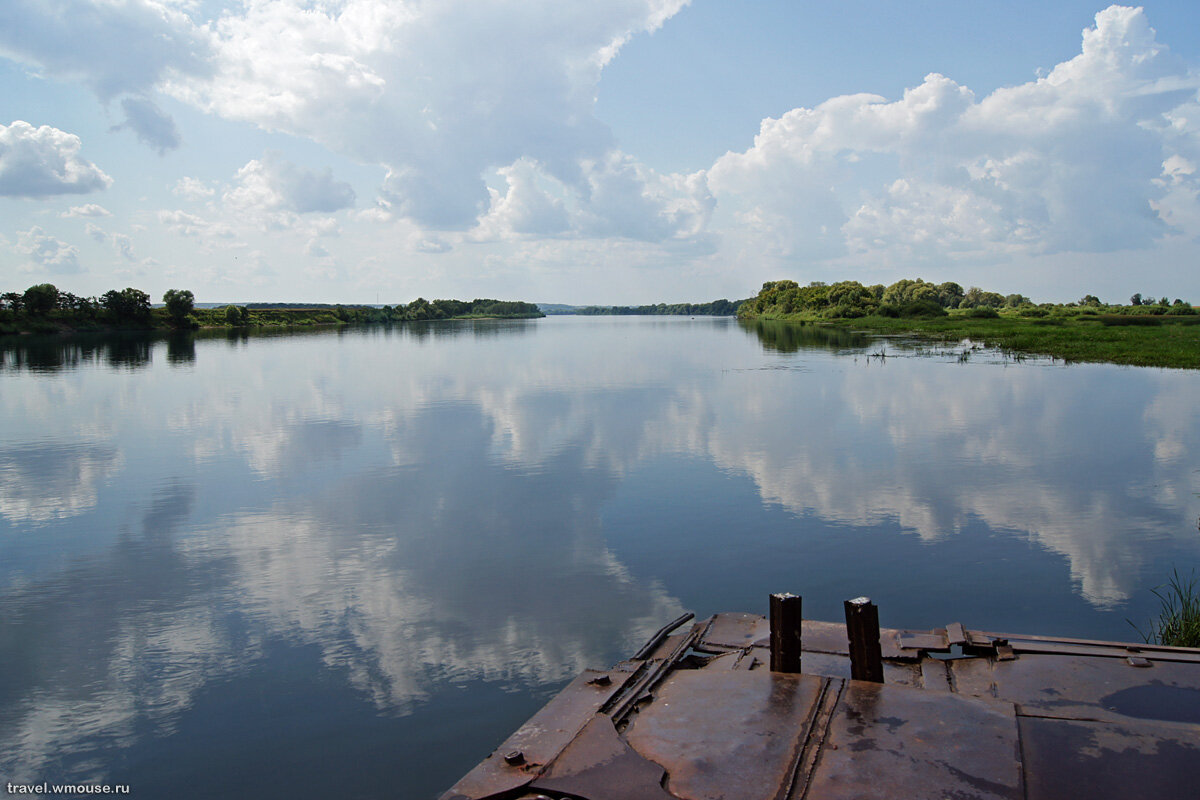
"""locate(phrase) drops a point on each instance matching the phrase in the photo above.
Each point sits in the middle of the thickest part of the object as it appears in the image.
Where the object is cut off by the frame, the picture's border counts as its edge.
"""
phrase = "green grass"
(1173, 342)
(1178, 622)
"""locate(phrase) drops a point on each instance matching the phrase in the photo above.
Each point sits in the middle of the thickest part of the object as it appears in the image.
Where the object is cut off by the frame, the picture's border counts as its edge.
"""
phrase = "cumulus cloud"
(44, 161)
(274, 184)
(192, 189)
(185, 224)
(617, 198)
(439, 94)
(88, 210)
(47, 252)
(527, 206)
(315, 249)
(114, 47)
(152, 126)
(96, 232)
(1073, 161)
(124, 246)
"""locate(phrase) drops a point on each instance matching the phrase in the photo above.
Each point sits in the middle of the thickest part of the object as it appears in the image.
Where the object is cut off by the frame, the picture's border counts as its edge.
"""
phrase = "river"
(349, 563)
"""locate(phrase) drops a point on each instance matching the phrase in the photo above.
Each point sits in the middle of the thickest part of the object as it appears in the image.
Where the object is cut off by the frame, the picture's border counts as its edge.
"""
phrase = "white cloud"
(185, 224)
(618, 197)
(192, 189)
(96, 232)
(47, 252)
(124, 246)
(88, 210)
(151, 125)
(40, 162)
(528, 207)
(274, 184)
(115, 47)
(1071, 162)
(440, 94)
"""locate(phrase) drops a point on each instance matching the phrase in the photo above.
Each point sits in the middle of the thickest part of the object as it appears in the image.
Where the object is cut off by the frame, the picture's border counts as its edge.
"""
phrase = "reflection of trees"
(49, 354)
(128, 351)
(181, 349)
(790, 337)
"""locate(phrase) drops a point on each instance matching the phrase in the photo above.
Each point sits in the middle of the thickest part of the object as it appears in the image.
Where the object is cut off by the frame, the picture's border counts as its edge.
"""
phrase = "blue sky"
(616, 151)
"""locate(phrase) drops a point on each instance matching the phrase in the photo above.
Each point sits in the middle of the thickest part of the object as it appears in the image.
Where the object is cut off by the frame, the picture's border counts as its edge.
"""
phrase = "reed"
(1178, 622)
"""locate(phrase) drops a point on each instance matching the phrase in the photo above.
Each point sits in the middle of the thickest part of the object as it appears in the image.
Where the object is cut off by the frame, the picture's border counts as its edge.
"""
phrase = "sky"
(609, 151)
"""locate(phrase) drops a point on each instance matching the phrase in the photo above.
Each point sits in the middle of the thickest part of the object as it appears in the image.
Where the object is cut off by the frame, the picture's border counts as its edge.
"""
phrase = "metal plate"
(736, 630)
(1080, 687)
(727, 734)
(892, 742)
(1099, 760)
(541, 738)
(599, 765)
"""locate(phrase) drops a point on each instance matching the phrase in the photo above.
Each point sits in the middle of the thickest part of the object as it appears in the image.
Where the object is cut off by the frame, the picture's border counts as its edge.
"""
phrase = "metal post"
(862, 629)
(785, 632)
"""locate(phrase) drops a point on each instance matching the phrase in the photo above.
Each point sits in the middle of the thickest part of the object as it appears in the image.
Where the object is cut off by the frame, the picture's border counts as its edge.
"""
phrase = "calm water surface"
(349, 563)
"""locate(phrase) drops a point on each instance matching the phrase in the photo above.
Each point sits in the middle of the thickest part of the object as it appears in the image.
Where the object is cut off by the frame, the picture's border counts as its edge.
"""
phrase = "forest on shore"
(1145, 331)
(918, 298)
(44, 308)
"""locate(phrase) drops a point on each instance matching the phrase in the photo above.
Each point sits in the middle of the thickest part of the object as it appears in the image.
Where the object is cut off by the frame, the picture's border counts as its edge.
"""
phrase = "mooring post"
(785, 632)
(862, 629)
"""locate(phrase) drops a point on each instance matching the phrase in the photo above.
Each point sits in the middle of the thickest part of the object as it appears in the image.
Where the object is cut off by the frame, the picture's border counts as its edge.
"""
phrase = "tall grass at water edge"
(1178, 621)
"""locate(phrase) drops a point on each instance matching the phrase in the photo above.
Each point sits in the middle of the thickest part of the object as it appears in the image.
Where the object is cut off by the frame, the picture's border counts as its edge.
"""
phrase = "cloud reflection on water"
(427, 510)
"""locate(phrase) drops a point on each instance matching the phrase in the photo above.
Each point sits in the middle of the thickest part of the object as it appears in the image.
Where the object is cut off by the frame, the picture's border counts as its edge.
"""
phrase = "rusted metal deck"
(698, 714)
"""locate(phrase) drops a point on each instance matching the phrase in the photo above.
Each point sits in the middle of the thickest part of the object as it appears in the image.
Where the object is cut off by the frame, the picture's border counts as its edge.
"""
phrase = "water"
(350, 563)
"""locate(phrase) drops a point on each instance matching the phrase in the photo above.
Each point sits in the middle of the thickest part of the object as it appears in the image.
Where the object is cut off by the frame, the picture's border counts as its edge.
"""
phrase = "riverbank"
(1144, 341)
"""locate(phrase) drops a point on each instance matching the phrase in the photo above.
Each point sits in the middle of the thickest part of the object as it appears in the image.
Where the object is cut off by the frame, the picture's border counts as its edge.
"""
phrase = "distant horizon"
(361, 149)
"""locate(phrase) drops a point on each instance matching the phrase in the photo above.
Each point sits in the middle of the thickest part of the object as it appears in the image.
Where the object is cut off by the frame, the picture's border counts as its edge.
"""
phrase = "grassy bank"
(1160, 341)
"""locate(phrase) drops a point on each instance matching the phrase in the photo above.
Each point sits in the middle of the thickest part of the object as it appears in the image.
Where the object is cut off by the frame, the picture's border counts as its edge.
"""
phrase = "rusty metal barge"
(746, 707)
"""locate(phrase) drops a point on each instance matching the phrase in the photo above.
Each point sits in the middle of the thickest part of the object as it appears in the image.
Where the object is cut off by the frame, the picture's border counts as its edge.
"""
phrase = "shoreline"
(1172, 342)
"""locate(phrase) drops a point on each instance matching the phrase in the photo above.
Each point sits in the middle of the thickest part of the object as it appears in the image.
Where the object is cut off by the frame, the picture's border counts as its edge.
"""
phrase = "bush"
(887, 310)
(986, 312)
(922, 308)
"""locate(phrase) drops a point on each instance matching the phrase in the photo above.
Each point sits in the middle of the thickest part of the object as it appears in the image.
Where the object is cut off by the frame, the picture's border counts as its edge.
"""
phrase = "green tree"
(1015, 300)
(905, 291)
(127, 305)
(236, 315)
(41, 299)
(180, 303)
(978, 298)
(950, 294)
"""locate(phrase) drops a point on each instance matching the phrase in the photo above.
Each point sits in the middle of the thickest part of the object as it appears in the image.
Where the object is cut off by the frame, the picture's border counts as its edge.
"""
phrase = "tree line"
(128, 307)
(716, 308)
(45, 307)
(918, 298)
